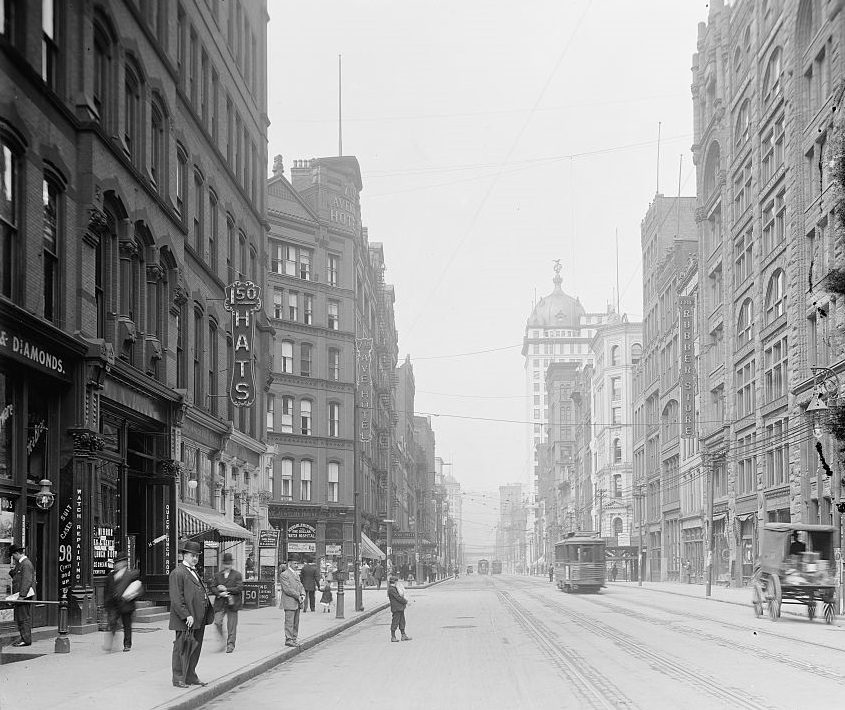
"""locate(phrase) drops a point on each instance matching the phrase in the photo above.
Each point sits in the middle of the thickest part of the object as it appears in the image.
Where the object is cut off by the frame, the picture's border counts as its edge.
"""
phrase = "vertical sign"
(243, 299)
(363, 354)
(104, 551)
(686, 306)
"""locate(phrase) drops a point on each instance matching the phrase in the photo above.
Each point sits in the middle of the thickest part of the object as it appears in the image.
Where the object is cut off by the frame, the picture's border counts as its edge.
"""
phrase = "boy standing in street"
(398, 602)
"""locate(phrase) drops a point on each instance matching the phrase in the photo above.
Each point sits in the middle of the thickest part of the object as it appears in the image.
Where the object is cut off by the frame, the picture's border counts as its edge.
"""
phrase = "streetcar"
(580, 562)
(483, 567)
(496, 567)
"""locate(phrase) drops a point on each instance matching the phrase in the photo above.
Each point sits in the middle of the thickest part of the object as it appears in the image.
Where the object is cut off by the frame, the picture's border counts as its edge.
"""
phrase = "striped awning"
(369, 549)
(195, 522)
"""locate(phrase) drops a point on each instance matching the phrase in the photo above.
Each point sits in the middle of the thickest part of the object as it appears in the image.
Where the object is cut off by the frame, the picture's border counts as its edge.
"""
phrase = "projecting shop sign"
(243, 299)
(363, 354)
(686, 306)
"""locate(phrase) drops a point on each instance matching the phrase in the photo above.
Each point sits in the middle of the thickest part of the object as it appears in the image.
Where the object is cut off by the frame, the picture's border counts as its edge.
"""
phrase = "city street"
(517, 642)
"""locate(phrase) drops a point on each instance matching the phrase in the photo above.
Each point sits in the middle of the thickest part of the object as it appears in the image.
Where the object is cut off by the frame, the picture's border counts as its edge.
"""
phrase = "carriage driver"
(796, 547)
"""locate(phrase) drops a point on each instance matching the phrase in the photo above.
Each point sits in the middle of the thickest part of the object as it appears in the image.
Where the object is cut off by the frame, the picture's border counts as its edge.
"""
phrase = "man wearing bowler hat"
(188, 604)
(23, 586)
(120, 595)
(228, 587)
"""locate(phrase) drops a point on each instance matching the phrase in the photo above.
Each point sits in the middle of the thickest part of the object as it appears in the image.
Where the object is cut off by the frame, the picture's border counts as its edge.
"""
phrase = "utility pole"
(639, 494)
(711, 537)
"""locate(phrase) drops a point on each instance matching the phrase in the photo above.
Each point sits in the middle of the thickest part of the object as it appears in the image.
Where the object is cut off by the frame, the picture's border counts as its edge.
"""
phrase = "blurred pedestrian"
(551, 573)
(123, 587)
(309, 575)
(378, 574)
(326, 598)
(293, 596)
(190, 611)
(23, 588)
(228, 587)
(250, 566)
(398, 602)
(364, 574)
(614, 570)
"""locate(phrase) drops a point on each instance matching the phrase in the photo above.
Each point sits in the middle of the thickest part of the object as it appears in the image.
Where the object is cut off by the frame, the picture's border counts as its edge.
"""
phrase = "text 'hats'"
(190, 546)
(16, 548)
(227, 558)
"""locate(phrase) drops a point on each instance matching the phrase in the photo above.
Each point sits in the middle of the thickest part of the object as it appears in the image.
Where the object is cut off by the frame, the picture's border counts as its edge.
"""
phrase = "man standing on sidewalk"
(229, 590)
(398, 602)
(23, 586)
(188, 604)
(293, 595)
(309, 576)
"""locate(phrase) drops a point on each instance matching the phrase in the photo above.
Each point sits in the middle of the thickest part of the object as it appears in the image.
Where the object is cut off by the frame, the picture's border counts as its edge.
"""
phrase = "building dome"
(558, 309)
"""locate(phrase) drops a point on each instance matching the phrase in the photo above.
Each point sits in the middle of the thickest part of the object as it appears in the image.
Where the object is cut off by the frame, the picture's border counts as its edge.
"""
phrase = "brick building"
(132, 154)
(766, 81)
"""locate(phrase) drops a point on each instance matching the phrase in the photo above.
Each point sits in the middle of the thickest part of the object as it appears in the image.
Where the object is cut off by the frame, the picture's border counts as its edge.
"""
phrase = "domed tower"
(559, 329)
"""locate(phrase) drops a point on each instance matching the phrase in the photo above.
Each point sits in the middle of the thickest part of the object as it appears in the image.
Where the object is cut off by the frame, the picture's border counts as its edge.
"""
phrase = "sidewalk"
(88, 677)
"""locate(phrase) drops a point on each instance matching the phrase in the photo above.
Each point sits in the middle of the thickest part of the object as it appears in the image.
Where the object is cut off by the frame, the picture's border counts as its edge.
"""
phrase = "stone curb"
(710, 599)
(202, 695)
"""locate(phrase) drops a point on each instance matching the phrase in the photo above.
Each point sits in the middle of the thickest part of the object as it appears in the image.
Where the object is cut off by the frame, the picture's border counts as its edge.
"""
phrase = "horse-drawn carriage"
(796, 566)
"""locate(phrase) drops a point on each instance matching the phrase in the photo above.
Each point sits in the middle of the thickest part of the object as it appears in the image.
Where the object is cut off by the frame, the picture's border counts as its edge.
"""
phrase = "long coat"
(292, 590)
(23, 577)
(115, 588)
(234, 585)
(397, 601)
(309, 576)
(188, 597)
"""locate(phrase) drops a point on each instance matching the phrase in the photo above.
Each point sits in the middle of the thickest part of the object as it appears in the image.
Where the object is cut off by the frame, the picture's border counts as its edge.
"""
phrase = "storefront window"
(37, 436)
(7, 411)
(7, 537)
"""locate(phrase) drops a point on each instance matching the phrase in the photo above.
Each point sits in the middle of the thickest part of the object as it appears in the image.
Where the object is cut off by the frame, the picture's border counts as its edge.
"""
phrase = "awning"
(194, 522)
(369, 549)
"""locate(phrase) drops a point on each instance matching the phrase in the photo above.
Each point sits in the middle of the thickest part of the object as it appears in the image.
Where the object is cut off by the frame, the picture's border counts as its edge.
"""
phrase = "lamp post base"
(63, 640)
(340, 601)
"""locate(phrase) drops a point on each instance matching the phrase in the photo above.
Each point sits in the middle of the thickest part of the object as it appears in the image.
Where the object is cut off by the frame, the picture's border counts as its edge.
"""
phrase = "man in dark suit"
(228, 586)
(309, 575)
(23, 584)
(188, 603)
(120, 601)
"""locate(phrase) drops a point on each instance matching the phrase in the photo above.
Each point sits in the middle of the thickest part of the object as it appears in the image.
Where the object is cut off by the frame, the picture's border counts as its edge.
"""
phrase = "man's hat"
(190, 546)
(393, 578)
(121, 557)
(227, 558)
(16, 548)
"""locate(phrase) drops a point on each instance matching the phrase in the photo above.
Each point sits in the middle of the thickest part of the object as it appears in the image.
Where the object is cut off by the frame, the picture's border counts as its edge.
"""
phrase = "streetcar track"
(701, 681)
(593, 686)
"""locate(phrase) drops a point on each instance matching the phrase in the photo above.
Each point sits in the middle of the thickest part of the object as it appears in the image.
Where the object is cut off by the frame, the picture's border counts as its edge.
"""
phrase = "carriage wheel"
(829, 612)
(757, 600)
(773, 594)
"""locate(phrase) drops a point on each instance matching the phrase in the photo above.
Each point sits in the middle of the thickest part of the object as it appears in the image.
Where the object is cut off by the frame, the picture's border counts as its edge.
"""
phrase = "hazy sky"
(493, 138)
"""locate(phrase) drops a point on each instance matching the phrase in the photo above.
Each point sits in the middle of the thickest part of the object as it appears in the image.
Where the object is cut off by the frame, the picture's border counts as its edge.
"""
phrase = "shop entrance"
(38, 552)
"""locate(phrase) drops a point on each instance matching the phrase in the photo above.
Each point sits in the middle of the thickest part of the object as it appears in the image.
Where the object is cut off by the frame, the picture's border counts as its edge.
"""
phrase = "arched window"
(711, 169)
(181, 180)
(636, 353)
(305, 417)
(53, 193)
(669, 421)
(158, 145)
(287, 356)
(334, 419)
(286, 479)
(334, 482)
(305, 480)
(809, 21)
(287, 414)
(103, 90)
(617, 526)
(305, 359)
(614, 355)
(742, 127)
(132, 115)
(617, 451)
(772, 85)
(776, 296)
(745, 323)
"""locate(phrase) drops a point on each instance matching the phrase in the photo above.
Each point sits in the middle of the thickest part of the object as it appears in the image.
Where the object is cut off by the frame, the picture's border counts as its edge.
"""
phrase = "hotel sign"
(243, 299)
(686, 306)
(363, 356)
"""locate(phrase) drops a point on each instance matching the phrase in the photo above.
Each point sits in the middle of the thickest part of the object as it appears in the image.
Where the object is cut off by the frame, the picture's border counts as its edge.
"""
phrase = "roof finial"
(557, 279)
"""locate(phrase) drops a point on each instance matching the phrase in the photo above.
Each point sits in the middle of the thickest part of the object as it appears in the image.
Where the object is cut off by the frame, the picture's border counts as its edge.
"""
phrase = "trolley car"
(483, 567)
(580, 562)
(496, 567)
